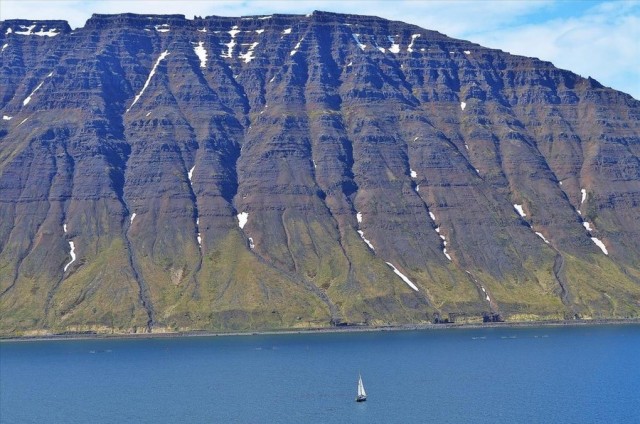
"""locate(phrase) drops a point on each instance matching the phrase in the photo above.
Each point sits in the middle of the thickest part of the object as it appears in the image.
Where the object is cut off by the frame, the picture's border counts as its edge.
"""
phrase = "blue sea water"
(533, 375)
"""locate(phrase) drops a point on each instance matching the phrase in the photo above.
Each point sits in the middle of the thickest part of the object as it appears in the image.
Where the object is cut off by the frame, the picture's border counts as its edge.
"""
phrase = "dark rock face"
(159, 173)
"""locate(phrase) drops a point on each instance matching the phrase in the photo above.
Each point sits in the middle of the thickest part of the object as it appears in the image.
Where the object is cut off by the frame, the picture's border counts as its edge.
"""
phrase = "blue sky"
(600, 39)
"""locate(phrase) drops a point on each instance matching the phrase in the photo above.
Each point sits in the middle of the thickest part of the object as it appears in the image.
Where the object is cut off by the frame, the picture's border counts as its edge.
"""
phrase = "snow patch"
(587, 226)
(265, 17)
(395, 48)
(9, 31)
(199, 238)
(365, 239)
(413, 39)
(584, 195)
(413, 173)
(259, 31)
(251, 244)
(4, 46)
(22, 122)
(578, 210)
(467, 52)
(64, 228)
(418, 188)
(362, 46)
(162, 28)
(444, 250)
(295, 49)
(201, 52)
(433, 217)
(287, 31)
(243, 217)
(190, 173)
(542, 237)
(202, 30)
(133, 216)
(28, 30)
(463, 105)
(359, 217)
(146, 84)
(148, 113)
(520, 211)
(248, 56)
(7, 118)
(28, 99)
(72, 253)
(231, 44)
(600, 244)
(402, 276)
(466, 146)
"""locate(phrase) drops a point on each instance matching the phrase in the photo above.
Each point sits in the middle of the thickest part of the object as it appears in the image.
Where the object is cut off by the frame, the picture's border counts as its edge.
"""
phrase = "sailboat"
(362, 395)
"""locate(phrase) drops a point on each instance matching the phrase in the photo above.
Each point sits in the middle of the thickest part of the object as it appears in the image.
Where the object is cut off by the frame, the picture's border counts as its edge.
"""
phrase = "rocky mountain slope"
(159, 173)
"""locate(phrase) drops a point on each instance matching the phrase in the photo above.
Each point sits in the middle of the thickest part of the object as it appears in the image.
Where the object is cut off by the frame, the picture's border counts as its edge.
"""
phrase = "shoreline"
(323, 330)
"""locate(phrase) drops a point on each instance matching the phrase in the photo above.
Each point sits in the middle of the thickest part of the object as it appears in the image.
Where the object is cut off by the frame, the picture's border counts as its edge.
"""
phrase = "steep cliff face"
(159, 173)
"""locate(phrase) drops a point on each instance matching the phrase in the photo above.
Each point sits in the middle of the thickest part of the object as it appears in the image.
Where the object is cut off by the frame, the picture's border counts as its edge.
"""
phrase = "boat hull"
(361, 398)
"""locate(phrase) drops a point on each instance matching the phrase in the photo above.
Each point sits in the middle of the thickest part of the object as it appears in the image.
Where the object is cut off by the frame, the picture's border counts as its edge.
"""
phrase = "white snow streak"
(600, 244)
(404, 277)
(413, 173)
(248, 56)
(520, 211)
(587, 226)
(231, 44)
(4, 46)
(7, 118)
(584, 195)
(359, 217)
(297, 46)
(542, 237)
(395, 48)
(9, 31)
(259, 31)
(64, 227)
(199, 238)
(362, 46)
(365, 239)
(432, 216)
(72, 253)
(251, 244)
(201, 52)
(243, 217)
(146, 84)
(467, 52)
(418, 188)
(28, 99)
(413, 39)
(133, 216)
(162, 28)
(190, 173)
(202, 30)
(463, 105)
(287, 31)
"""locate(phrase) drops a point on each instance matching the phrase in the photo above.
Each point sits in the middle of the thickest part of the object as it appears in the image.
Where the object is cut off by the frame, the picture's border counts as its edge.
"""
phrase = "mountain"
(160, 174)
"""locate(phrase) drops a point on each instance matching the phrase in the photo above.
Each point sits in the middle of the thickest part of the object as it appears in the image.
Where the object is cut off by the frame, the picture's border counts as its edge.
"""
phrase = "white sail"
(361, 391)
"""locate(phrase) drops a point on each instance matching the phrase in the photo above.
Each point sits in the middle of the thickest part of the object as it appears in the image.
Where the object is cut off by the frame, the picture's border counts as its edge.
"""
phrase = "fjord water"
(505, 375)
